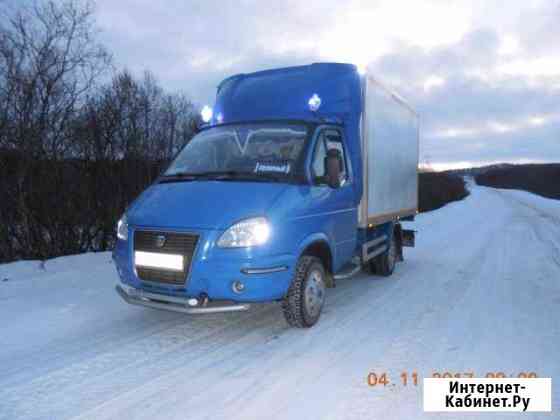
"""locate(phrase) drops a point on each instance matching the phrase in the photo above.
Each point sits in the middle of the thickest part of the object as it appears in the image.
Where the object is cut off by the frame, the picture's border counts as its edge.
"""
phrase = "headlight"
(122, 228)
(249, 232)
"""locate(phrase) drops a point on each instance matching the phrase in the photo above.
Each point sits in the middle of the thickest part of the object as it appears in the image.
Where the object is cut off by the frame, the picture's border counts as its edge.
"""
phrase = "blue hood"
(202, 204)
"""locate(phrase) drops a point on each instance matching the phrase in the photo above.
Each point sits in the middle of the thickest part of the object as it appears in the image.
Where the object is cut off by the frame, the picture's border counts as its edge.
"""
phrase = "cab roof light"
(206, 113)
(314, 102)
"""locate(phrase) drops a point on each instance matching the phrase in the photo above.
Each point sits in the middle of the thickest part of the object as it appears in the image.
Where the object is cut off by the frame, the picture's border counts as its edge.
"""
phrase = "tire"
(304, 301)
(371, 266)
(385, 263)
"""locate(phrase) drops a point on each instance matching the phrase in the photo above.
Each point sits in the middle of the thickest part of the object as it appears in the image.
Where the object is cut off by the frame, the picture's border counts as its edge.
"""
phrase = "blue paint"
(300, 213)
(284, 94)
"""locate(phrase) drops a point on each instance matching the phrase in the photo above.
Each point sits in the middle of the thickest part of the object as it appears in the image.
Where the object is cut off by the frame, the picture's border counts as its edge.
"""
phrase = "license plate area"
(163, 256)
(173, 262)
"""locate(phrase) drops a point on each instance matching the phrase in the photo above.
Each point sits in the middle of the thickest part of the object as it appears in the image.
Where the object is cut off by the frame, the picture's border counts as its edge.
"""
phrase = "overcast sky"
(484, 75)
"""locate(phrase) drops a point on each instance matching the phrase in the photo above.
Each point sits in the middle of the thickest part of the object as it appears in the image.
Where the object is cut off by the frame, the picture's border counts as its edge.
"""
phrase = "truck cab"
(264, 204)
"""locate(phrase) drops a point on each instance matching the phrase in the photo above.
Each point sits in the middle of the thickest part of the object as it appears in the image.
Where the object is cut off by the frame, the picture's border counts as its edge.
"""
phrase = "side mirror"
(333, 167)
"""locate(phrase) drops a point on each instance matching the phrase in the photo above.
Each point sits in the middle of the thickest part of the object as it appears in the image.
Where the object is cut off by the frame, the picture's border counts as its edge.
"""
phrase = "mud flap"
(408, 238)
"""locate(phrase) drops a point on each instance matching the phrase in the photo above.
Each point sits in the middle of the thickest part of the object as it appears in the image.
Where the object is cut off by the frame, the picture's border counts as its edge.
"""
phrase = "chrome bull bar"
(173, 303)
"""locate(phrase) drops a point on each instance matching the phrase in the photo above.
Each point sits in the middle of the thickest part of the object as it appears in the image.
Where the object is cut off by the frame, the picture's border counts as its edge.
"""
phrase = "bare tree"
(52, 61)
(74, 152)
(49, 60)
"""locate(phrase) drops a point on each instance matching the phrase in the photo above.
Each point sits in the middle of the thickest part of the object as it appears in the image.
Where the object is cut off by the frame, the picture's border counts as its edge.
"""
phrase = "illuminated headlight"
(122, 228)
(246, 233)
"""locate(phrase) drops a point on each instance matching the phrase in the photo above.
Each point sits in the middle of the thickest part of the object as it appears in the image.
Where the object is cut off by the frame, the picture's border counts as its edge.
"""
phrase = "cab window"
(328, 139)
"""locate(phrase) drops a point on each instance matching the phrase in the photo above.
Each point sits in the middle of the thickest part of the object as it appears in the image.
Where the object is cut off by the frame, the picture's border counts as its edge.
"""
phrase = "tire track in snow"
(447, 308)
(165, 348)
(296, 356)
(190, 374)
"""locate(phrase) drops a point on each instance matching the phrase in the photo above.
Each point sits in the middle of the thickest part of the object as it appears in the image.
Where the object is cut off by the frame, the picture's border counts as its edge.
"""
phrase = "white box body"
(390, 148)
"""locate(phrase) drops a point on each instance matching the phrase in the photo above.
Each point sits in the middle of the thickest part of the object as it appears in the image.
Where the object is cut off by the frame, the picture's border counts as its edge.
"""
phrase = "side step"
(349, 270)
(374, 247)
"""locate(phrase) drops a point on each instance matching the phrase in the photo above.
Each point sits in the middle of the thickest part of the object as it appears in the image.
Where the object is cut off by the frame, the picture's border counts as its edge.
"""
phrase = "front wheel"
(304, 301)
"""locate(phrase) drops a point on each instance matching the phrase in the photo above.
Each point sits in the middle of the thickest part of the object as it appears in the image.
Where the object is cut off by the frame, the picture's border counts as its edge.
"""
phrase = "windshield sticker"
(242, 139)
(243, 136)
(283, 168)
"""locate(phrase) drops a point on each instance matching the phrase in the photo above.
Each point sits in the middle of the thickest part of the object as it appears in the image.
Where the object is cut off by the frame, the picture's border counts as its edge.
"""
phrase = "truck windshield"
(244, 151)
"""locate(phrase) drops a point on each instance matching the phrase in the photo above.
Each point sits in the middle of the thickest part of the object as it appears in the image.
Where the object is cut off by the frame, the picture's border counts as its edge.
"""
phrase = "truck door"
(336, 205)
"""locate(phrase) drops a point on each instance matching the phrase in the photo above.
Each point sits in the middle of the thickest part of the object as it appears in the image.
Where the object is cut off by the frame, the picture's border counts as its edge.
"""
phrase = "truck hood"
(202, 204)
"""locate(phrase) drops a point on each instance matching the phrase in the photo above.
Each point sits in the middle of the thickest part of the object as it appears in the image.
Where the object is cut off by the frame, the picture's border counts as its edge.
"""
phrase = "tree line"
(78, 139)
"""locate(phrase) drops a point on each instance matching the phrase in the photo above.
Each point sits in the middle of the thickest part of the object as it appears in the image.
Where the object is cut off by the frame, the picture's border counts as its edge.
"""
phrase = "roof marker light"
(206, 113)
(314, 102)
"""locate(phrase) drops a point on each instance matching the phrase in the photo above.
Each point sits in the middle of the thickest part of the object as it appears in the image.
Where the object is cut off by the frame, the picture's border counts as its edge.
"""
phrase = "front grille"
(175, 243)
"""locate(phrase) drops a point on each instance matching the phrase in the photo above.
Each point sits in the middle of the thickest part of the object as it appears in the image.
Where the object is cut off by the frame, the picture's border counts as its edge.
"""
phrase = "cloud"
(485, 78)
(473, 110)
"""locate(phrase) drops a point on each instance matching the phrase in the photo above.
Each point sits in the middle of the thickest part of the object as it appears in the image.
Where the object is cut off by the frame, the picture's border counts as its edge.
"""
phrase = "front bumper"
(172, 303)
(265, 275)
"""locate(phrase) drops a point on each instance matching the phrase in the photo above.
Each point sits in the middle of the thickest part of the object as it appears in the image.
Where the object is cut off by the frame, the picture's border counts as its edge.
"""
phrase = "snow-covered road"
(480, 293)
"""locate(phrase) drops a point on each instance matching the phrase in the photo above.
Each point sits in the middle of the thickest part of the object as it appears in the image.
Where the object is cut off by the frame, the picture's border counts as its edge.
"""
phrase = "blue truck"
(299, 177)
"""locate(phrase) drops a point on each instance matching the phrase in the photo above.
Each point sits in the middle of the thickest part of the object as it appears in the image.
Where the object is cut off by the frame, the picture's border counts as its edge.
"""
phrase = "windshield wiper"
(248, 175)
(178, 176)
(222, 176)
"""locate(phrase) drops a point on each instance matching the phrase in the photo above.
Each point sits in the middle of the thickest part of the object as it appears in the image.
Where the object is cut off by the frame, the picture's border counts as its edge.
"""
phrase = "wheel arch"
(319, 246)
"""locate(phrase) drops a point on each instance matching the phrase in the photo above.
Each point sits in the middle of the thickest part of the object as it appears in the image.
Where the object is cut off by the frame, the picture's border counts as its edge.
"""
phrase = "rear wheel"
(371, 266)
(304, 301)
(385, 263)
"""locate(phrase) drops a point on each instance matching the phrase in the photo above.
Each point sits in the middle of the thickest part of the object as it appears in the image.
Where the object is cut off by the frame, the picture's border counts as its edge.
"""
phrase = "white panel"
(488, 394)
(156, 260)
(390, 130)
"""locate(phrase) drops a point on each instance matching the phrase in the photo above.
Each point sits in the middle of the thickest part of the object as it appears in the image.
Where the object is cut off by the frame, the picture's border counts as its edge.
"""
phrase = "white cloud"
(532, 67)
(500, 127)
(509, 45)
(433, 82)
(365, 31)
(537, 120)
(455, 132)
(484, 77)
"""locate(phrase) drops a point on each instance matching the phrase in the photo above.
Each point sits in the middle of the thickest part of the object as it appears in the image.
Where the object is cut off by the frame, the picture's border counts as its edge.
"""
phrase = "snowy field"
(480, 293)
